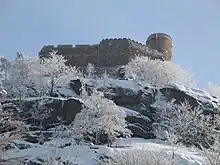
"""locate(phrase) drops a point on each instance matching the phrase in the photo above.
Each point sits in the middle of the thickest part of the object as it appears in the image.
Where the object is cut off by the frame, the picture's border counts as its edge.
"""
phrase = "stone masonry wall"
(108, 53)
(161, 42)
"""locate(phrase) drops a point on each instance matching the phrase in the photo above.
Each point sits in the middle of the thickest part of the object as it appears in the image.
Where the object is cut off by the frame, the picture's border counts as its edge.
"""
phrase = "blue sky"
(27, 25)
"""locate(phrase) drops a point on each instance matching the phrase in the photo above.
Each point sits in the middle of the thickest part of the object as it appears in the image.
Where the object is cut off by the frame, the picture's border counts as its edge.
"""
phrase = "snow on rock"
(65, 92)
(109, 82)
(78, 154)
(88, 155)
(130, 112)
(52, 98)
(81, 155)
(161, 101)
(129, 93)
(200, 95)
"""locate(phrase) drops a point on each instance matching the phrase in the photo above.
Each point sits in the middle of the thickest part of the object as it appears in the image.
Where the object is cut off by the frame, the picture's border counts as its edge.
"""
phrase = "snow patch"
(66, 91)
(110, 82)
(199, 94)
(88, 155)
(161, 101)
(130, 112)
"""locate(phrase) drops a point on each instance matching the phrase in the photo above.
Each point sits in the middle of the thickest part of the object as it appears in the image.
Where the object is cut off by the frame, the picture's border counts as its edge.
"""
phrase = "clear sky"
(27, 25)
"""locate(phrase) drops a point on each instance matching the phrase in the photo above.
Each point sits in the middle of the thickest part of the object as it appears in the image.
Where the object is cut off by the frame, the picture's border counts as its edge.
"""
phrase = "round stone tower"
(161, 42)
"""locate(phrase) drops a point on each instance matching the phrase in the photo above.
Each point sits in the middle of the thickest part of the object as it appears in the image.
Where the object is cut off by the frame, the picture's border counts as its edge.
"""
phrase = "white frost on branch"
(53, 72)
(100, 116)
(188, 124)
(90, 70)
(140, 157)
(10, 129)
(21, 76)
(5, 69)
(157, 72)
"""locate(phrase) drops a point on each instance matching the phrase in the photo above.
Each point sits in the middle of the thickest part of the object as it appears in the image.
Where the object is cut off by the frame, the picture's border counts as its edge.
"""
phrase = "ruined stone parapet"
(108, 53)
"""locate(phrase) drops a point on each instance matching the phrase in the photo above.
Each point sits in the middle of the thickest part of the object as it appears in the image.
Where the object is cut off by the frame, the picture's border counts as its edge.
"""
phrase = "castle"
(113, 52)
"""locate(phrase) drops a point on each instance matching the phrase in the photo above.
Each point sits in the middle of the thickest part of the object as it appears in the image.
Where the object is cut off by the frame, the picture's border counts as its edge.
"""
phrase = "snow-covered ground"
(110, 82)
(88, 155)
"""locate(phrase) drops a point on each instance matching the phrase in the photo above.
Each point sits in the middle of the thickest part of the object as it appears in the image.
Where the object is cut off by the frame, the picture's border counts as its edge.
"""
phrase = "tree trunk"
(96, 138)
(52, 85)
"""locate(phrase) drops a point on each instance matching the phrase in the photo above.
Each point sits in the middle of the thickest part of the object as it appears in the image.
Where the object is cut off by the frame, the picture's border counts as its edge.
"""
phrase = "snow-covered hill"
(65, 109)
(139, 101)
(90, 154)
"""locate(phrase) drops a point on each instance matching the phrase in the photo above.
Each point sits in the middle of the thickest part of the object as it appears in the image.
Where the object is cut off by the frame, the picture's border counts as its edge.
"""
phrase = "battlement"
(121, 40)
(82, 46)
(110, 52)
(160, 35)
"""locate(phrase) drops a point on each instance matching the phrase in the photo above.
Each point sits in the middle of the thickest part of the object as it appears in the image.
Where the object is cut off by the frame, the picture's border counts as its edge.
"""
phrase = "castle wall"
(108, 53)
(113, 52)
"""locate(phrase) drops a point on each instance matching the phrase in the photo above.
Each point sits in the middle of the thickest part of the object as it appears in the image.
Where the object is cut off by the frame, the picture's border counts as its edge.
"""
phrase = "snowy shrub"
(55, 72)
(140, 157)
(27, 76)
(212, 154)
(52, 161)
(90, 70)
(19, 76)
(5, 68)
(100, 116)
(157, 72)
(58, 161)
(55, 69)
(187, 124)
(39, 112)
(10, 129)
(12, 162)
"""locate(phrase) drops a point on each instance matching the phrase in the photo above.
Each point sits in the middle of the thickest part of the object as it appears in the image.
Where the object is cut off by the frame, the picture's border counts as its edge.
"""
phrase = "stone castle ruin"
(113, 53)
(162, 43)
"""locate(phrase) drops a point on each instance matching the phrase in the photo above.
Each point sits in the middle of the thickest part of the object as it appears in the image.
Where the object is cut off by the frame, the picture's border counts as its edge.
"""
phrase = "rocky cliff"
(140, 104)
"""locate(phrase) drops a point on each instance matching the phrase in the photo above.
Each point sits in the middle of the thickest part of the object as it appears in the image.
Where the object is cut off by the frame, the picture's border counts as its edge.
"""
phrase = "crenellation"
(64, 46)
(82, 46)
(110, 52)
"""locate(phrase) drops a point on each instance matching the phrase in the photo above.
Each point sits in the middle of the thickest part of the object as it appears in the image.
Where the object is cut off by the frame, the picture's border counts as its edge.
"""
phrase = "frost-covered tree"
(40, 81)
(21, 76)
(17, 75)
(10, 129)
(157, 72)
(214, 90)
(212, 154)
(90, 70)
(40, 112)
(3, 92)
(56, 71)
(105, 78)
(100, 116)
(186, 125)
(5, 69)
